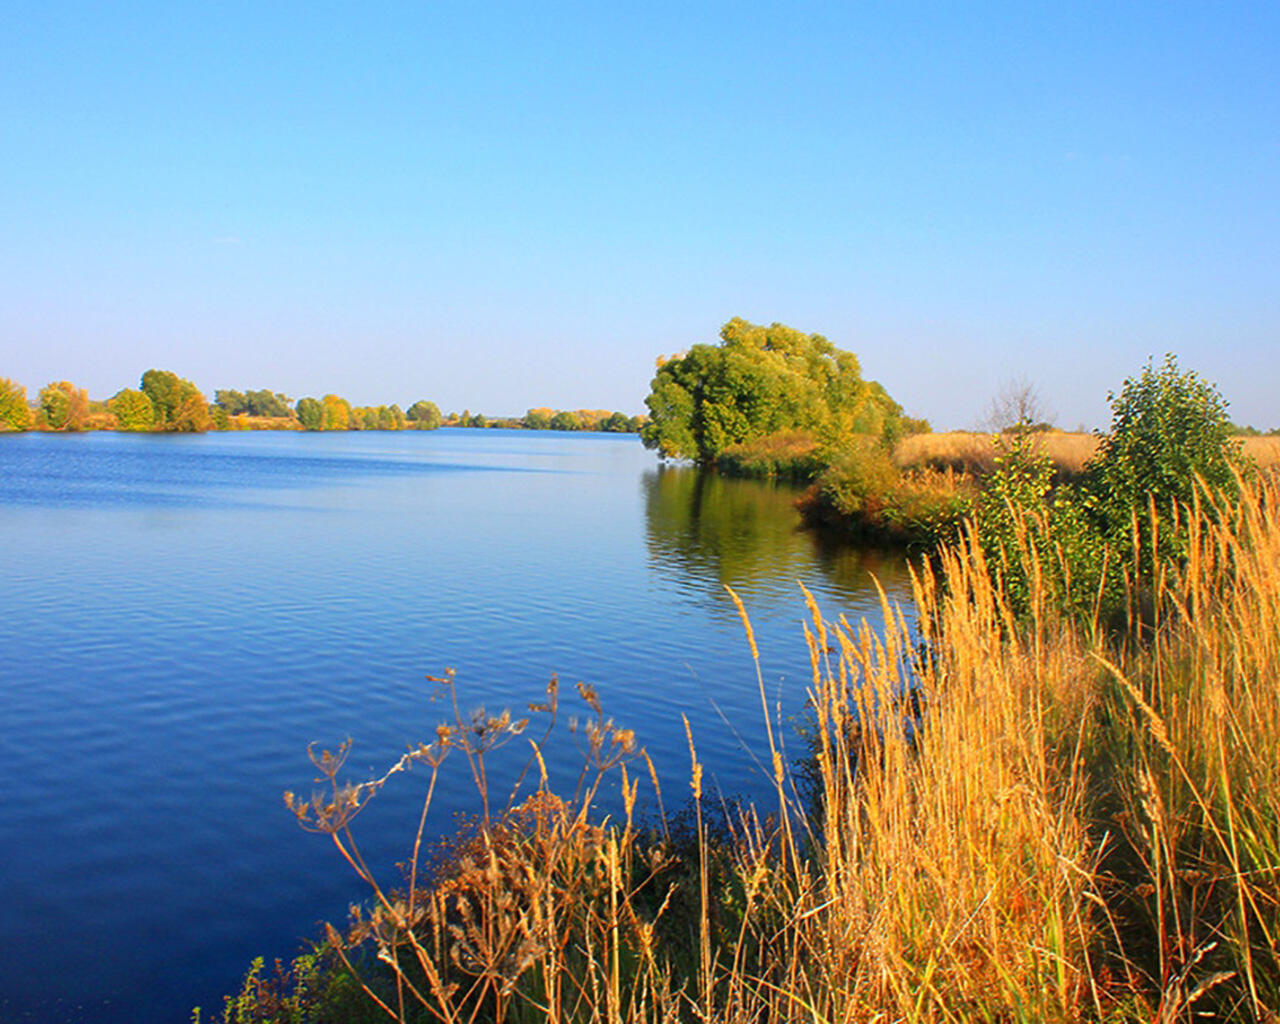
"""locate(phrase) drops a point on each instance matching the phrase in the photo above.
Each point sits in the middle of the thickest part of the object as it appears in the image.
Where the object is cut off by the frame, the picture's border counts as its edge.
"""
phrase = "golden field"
(975, 452)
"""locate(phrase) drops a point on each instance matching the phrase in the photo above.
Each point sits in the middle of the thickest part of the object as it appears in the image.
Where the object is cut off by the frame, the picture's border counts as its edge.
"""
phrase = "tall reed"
(1196, 718)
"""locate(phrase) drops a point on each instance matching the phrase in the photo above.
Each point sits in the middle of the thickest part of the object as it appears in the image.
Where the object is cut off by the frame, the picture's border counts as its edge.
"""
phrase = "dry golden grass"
(1201, 726)
(975, 453)
(247, 422)
(1265, 451)
(1013, 820)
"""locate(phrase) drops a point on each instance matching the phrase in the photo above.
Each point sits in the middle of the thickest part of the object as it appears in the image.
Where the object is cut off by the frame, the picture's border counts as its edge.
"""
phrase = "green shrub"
(1100, 546)
(1026, 529)
(859, 476)
(1168, 427)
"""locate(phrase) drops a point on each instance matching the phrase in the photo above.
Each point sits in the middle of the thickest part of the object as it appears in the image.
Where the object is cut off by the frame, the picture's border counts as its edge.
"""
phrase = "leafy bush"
(132, 409)
(1100, 545)
(424, 415)
(863, 494)
(310, 413)
(859, 476)
(1036, 539)
(1168, 428)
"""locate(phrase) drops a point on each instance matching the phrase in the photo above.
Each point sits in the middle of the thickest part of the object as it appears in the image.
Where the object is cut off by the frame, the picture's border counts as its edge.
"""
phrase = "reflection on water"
(705, 531)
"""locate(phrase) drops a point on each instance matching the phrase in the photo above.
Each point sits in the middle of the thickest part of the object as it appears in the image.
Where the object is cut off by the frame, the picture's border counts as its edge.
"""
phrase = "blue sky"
(498, 206)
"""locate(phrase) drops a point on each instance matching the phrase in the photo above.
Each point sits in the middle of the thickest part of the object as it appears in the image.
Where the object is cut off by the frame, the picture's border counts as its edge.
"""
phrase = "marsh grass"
(1197, 717)
(1012, 818)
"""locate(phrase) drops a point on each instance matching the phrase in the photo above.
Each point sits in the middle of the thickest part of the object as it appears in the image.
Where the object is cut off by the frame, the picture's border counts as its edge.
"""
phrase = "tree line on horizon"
(166, 403)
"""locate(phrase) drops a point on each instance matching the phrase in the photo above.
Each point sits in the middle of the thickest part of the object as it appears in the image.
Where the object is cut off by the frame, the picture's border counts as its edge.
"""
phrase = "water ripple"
(181, 617)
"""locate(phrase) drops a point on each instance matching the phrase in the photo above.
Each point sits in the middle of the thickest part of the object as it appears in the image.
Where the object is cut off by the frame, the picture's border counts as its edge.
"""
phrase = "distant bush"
(15, 414)
(252, 403)
(178, 403)
(337, 413)
(424, 415)
(133, 410)
(1251, 431)
(65, 406)
(310, 413)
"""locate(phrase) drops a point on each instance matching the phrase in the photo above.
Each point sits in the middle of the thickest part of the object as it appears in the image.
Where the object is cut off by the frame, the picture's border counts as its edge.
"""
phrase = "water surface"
(181, 616)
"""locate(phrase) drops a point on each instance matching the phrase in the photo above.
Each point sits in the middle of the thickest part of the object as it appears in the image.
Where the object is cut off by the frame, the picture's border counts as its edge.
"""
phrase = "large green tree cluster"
(760, 381)
(376, 417)
(252, 403)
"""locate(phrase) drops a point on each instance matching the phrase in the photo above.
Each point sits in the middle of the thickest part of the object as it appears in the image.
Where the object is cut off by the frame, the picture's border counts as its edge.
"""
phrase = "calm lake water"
(181, 616)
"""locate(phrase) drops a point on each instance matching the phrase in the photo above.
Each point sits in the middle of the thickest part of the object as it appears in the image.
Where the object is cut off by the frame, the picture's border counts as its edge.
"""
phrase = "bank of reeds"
(1195, 734)
(1008, 818)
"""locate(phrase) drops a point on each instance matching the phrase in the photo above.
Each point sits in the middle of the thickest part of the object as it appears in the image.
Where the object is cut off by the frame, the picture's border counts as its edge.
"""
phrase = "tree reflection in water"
(704, 531)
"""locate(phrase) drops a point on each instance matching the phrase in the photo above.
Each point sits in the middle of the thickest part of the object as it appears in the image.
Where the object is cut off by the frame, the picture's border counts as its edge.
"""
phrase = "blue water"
(181, 616)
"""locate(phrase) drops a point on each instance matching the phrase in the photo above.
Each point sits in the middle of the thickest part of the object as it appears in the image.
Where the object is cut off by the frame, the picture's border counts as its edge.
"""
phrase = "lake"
(181, 615)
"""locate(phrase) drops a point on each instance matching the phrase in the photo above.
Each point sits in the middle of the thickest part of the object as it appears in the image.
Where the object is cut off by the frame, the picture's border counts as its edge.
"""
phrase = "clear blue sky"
(499, 206)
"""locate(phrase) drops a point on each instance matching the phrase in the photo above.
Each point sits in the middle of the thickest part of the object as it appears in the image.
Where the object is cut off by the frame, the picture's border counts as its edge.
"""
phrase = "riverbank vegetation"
(1050, 797)
(773, 402)
(167, 403)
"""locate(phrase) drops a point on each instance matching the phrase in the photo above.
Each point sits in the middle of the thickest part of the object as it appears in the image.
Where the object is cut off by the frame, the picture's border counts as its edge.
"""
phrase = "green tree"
(164, 388)
(565, 420)
(537, 419)
(310, 414)
(758, 381)
(66, 407)
(267, 403)
(15, 414)
(178, 403)
(1168, 427)
(390, 417)
(617, 423)
(133, 410)
(253, 403)
(424, 415)
(233, 402)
